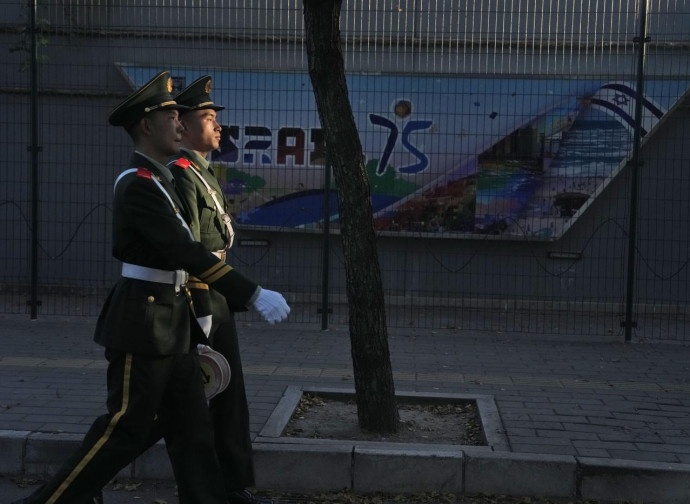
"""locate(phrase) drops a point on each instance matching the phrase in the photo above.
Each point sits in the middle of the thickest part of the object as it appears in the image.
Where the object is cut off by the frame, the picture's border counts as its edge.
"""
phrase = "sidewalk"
(592, 420)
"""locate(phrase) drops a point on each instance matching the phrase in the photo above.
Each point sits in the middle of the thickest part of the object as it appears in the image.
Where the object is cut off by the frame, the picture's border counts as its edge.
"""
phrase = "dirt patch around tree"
(326, 417)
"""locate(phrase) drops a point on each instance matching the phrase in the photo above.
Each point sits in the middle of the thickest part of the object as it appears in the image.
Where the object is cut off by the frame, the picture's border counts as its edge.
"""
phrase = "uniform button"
(150, 299)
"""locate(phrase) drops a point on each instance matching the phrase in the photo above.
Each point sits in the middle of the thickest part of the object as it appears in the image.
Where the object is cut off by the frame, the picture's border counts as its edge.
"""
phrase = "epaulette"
(144, 173)
(183, 163)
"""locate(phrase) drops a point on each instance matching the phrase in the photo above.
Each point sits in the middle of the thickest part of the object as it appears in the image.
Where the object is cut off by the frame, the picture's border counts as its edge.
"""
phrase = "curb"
(309, 465)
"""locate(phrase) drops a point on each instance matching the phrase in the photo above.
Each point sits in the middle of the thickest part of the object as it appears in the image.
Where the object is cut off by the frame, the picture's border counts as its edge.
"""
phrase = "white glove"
(272, 306)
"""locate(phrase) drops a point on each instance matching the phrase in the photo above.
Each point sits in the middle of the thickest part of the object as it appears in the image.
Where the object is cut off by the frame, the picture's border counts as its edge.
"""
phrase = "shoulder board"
(183, 163)
(144, 173)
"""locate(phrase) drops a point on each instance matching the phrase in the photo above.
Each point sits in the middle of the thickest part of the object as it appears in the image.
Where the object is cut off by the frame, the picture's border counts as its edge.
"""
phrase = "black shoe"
(98, 499)
(246, 497)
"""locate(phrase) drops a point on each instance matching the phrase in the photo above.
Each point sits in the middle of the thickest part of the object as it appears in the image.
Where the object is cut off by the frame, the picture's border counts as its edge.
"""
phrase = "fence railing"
(528, 160)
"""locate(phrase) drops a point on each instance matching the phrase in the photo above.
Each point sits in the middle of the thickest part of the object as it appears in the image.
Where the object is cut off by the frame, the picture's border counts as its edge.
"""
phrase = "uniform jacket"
(207, 226)
(147, 317)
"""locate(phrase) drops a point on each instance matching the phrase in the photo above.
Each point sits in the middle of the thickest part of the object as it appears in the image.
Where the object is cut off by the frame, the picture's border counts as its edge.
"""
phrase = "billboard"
(512, 157)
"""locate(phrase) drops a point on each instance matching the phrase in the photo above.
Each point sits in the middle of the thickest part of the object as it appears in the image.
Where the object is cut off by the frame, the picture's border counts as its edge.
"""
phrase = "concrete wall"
(81, 154)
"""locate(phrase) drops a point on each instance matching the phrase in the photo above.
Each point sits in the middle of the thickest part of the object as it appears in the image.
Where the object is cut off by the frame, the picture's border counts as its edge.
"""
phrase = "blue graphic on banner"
(516, 157)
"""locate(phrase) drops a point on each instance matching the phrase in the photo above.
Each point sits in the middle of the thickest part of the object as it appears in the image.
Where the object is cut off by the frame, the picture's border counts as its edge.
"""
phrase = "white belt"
(177, 277)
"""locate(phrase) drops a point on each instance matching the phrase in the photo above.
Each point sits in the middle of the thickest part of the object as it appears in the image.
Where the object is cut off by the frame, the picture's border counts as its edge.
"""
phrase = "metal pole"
(34, 148)
(640, 41)
(326, 245)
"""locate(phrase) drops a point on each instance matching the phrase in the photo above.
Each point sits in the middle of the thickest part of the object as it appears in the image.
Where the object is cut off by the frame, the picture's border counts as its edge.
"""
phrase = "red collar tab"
(183, 163)
(144, 173)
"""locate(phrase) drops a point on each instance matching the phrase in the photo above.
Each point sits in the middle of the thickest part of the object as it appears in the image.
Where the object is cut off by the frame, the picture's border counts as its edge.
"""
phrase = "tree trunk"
(374, 386)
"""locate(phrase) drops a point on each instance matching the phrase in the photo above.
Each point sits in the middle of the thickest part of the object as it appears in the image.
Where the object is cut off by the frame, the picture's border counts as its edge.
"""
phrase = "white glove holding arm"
(271, 305)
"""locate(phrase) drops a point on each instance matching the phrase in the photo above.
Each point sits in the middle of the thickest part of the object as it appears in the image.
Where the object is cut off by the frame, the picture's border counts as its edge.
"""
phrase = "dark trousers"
(140, 390)
(230, 414)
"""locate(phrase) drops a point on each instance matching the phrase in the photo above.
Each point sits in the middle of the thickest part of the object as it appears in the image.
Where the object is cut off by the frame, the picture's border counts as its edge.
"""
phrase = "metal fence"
(528, 159)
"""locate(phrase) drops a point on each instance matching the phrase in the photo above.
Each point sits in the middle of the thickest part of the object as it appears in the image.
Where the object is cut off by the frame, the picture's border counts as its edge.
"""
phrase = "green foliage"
(23, 44)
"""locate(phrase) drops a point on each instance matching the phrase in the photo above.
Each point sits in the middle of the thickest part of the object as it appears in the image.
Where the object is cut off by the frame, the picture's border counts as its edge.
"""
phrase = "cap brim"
(205, 107)
(176, 106)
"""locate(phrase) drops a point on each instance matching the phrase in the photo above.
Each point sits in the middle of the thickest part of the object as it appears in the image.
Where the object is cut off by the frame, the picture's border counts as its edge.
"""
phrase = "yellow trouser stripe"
(103, 439)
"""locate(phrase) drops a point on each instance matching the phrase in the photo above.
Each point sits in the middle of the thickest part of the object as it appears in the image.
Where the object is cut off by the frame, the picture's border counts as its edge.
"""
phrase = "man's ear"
(145, 126)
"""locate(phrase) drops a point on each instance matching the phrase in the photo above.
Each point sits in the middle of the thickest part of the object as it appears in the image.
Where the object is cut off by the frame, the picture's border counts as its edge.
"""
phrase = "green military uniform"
(147, 329)
(211, 225)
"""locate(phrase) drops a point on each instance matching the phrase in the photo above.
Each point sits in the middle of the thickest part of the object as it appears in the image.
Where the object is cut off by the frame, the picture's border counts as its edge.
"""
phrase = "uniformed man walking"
(212, 225)
(146, 324)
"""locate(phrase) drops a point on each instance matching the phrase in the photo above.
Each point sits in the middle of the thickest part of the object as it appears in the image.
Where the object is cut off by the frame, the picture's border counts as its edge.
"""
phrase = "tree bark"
(375, 390)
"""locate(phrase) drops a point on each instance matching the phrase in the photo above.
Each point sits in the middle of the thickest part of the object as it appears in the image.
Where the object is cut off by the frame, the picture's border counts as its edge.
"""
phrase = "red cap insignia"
(144, 173)
(183, 163)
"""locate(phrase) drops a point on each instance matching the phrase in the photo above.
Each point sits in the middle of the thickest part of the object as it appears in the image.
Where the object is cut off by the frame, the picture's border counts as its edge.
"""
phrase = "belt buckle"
(181, 278)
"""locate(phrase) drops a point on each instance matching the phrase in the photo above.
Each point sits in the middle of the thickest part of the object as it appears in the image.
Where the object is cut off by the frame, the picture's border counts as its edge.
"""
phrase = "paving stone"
(644, 456)
(522, 432)
(540, 441)
(680, 442)
(566, 434)
(78, 428)
(544, 448)
(593, 452)
(603, 445)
